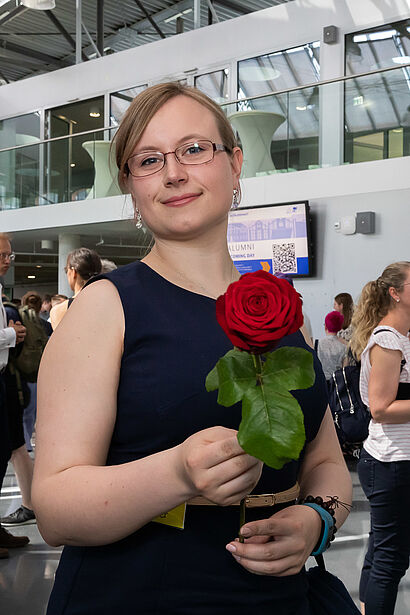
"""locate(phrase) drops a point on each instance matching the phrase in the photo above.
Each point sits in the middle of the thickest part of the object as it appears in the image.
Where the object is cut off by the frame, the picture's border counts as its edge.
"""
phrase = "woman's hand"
(216, 467)
(278, 546)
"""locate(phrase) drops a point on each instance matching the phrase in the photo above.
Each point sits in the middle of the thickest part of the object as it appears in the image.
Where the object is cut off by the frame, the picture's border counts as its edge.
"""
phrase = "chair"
(255, 130)
(105, 182)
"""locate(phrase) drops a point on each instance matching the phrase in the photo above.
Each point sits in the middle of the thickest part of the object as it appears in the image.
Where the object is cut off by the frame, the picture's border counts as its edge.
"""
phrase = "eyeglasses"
(7, 256)
(67, 268)
(198, 152)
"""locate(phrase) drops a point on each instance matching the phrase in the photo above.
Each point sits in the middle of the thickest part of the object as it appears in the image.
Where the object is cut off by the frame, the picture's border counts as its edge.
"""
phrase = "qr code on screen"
(284, 258)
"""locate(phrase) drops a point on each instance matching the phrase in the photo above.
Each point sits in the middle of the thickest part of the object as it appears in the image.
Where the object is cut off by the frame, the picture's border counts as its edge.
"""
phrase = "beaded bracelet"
(326, 510)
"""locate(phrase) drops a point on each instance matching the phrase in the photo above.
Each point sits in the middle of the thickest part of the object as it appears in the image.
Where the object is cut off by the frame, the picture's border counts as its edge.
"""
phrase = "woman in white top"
(381, 340)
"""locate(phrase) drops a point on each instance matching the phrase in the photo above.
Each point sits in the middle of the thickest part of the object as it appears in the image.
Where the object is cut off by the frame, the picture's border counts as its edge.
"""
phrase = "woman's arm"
(383, 384)
(77, 499)
(280, 545)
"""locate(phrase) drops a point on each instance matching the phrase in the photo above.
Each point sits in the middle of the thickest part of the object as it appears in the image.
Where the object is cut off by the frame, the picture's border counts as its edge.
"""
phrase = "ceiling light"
(358, 100)
(31, 277)
(39, 266)
(401, 59)
(72, 165)
(39, 5)
(301, 108)
(94, 112)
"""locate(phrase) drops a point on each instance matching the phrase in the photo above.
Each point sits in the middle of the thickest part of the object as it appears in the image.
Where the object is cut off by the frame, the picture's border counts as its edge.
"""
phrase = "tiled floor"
(26, 578)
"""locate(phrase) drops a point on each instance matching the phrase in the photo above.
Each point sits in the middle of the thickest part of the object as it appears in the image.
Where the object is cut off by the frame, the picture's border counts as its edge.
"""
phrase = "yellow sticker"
(174, 517)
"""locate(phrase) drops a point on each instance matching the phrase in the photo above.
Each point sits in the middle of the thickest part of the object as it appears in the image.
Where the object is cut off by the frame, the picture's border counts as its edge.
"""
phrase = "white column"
(66, 244)
(197, 14)
(331, 103)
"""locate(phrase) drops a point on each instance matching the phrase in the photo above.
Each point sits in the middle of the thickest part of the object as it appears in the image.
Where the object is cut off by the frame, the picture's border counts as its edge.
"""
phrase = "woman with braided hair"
(380, 340)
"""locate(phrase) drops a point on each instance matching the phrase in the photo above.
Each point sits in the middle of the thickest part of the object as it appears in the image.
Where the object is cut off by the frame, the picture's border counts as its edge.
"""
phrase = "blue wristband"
(328, 524)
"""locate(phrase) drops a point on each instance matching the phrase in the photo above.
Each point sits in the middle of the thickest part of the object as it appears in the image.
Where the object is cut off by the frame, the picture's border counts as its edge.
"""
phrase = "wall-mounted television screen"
(275, 238)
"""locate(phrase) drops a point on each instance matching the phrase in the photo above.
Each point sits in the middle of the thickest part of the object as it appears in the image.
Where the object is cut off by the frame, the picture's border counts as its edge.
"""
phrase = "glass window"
(214, 84)
(19, 169)
(294, 143)
(70, 169)
(377, 106)
(381, 47)
(120, 101)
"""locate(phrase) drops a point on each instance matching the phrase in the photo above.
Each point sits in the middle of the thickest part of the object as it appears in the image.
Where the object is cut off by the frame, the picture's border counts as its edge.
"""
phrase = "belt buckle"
(265, 499)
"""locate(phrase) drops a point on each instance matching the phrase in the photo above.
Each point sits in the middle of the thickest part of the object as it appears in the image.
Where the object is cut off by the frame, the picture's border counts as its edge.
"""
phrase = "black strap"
(71, 299)
(316, 344)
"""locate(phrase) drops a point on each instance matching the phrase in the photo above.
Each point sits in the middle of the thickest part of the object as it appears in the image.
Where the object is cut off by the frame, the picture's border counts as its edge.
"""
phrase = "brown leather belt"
(256, 501)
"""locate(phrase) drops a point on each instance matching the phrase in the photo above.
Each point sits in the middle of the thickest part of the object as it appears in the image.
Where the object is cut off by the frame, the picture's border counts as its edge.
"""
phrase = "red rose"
(258, 310)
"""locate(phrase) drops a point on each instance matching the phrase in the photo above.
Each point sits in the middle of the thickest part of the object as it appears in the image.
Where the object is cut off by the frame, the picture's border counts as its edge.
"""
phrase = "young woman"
(126, 429)
(343, 303)
(381, 340)
(82, 265)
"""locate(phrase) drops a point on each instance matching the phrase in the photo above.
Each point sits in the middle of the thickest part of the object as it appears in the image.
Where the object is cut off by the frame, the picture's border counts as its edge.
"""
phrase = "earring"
(235, 199)
(397, 300)
(138, 219)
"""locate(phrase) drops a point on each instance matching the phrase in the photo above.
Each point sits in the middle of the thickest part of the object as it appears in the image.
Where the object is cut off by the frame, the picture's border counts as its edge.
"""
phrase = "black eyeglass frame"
(216, 147)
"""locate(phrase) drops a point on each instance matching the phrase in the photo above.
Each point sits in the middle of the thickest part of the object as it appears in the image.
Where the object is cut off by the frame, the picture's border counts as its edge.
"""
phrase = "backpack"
(350, 414)
(28, 361)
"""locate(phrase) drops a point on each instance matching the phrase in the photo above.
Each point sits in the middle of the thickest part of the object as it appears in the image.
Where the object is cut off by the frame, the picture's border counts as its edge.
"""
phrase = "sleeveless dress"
(172, 340)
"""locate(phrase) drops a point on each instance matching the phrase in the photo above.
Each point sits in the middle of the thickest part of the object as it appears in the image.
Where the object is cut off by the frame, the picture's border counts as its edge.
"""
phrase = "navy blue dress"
(172, 340)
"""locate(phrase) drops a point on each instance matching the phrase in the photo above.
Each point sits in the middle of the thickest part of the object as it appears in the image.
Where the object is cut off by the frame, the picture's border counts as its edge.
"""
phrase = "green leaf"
(212, 380)
(290, 368)
(235, 375)
(272, 427)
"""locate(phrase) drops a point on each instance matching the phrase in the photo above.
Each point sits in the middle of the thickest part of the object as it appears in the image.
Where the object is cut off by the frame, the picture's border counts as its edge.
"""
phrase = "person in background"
(330, 350)
(56, 299)
(45, 307)
(82, 265)
(11, 333)
(380, 340)
(343, 303)
(107, 265)
(22, 415)
(126, 429)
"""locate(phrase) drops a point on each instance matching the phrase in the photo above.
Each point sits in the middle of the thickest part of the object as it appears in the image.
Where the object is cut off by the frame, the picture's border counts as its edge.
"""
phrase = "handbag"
(350, 414)
(327, 594)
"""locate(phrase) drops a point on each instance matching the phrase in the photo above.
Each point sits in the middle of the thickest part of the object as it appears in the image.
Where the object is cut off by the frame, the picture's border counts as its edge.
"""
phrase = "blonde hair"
(374, 303)
(142, 110)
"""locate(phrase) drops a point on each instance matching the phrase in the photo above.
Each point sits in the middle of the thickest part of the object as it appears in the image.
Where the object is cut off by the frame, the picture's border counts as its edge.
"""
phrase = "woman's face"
(70, 276)
(404, 294)
(338, 307)
(183, 201)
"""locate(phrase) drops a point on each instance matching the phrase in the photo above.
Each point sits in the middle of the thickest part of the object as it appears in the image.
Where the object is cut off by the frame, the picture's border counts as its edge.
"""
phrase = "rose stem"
(258, 369)
(242, 508)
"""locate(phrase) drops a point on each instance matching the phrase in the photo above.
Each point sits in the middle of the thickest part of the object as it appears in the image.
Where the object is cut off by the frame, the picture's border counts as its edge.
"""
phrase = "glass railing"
(342, 121)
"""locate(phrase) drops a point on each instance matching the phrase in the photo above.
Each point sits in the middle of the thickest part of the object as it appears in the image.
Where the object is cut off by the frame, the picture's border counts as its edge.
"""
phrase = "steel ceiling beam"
(150, 19)
(63, 31)
(100, 26)
(31, 53)
(18, 10)
(137, 26)
(234, 7)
